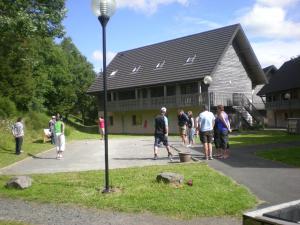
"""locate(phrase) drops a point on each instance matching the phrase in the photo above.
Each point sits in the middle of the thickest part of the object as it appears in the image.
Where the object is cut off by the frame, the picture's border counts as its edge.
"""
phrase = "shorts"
(182, 130)
(206, 136)
(158, 138)
(224, 139)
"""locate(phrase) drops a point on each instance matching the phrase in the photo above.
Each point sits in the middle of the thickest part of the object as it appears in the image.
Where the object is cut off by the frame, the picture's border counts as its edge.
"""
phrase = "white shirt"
(206, 121)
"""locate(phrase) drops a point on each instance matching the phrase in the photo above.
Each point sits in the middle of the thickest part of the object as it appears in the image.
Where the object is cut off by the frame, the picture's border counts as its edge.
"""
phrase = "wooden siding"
(230, 76)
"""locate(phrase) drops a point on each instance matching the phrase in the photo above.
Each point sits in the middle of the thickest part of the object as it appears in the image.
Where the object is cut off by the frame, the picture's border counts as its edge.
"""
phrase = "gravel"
(51, 214)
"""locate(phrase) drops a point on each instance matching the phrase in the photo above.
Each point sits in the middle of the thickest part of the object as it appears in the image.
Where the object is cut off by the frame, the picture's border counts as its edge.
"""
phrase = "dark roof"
(285, 78)
(269, 71)
(209, 48)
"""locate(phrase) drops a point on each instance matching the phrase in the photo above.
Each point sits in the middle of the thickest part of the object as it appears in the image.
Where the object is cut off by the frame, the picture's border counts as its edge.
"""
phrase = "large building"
(282, 94)
(142, 80)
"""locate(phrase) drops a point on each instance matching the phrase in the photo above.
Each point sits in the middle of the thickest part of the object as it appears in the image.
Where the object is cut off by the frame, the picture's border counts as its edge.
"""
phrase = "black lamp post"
(208, 80)
(104, 9)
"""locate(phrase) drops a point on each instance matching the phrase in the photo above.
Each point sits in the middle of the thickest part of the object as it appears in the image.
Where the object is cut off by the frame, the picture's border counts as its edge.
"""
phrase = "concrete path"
(272, 182)
(89, 155)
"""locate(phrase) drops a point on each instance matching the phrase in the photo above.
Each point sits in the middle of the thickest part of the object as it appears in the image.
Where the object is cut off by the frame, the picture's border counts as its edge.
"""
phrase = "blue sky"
(272, 26)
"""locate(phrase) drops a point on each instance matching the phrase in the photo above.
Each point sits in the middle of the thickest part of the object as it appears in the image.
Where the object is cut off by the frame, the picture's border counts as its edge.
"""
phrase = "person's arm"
(226, 123)
(166, 126)
(63, 128)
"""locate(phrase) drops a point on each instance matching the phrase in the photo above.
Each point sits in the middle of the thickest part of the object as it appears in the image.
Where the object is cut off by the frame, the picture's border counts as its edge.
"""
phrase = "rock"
(168, 177)
(19, 182)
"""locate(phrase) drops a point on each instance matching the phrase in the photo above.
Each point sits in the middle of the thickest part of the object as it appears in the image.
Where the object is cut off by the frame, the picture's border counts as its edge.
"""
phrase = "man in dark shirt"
(161, 133)
(182, 123)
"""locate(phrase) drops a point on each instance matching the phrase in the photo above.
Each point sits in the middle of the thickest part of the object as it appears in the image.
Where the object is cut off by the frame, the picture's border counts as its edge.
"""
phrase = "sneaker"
(211, 158)
(155, 157)
(189, 145)
(170, 156)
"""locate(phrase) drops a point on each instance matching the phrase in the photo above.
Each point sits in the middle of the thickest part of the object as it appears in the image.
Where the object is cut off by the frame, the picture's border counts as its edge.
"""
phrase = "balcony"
(176, 101)
(283, 104)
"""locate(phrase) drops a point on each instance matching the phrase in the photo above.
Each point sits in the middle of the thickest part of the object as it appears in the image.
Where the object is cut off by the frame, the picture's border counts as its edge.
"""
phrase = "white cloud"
(275, 52)
(147, 6)
(97, 57)
(278, 3)
(191, 21)
(270, 21)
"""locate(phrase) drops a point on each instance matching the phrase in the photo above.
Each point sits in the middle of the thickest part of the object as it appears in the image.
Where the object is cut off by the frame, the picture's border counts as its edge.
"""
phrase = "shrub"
(7, 108)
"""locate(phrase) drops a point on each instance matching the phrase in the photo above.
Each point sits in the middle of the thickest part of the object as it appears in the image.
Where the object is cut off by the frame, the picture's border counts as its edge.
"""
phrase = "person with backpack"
(59, 129)
(190, 129)
(18, 133)
(161, 133)
(182, 124)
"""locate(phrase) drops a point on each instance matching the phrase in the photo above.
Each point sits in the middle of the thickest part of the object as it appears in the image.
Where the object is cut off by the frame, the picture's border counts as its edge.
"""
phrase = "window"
(157, 91)
(136, 120)
(136, 69)
(160, 65)
(142, 93)
(190, 88)
(111, 120)
(171, 90)
(113, 73)
(190, 60)
(126, 95)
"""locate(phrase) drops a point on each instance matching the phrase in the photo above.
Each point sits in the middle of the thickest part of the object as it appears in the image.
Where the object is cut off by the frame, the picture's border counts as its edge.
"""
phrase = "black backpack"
(190, 123)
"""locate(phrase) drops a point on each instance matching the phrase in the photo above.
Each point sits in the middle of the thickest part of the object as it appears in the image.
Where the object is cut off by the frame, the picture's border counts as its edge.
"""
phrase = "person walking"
(60, 140)
(206, 126)
(101, 127)
(161, 133)
(51, 129)
(223, 129)
(182, 124)
(18, 133)
(190, 129)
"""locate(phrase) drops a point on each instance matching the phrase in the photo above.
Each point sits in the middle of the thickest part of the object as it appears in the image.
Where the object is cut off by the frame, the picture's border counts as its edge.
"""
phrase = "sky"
(272, 26)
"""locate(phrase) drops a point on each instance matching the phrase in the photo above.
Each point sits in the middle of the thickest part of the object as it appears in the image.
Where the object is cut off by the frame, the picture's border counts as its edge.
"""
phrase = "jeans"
(19, 142)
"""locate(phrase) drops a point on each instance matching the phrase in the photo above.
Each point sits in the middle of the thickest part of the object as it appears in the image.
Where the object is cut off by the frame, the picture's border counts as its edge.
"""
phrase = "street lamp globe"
(207, 80)
(104, 8)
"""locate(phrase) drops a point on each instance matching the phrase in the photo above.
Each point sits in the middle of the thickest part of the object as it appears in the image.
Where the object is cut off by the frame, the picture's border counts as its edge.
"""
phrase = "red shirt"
(101, 123)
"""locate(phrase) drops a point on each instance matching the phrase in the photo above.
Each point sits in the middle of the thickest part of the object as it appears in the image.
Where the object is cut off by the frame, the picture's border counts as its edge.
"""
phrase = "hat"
(163, 109)
(53, 117)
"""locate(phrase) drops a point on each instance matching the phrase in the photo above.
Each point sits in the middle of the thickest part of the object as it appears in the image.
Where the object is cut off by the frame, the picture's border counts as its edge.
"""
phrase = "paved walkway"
(272, 182)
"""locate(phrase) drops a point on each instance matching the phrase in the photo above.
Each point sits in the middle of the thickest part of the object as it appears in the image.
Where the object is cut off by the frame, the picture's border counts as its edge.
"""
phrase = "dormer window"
(113, 73)
(136, 69)
(160, 65)
(190, 60)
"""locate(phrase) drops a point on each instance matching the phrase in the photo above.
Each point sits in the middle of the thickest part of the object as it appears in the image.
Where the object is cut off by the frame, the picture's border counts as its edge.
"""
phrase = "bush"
(7, 108)
(36, 121)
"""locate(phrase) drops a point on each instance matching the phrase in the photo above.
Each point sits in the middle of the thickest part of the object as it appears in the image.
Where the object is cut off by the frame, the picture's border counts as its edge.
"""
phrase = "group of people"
(211, 129)
(57, 131)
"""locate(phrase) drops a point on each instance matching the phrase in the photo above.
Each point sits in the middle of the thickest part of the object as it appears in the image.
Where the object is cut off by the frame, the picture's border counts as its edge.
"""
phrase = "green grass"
(261, 137)
(212, 194)
(289, 156)
(5, 222)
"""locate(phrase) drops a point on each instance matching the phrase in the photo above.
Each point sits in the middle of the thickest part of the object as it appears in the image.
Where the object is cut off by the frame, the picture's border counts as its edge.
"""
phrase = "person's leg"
(17, 145)
(156, 143)
(209, 146)
(205, 145)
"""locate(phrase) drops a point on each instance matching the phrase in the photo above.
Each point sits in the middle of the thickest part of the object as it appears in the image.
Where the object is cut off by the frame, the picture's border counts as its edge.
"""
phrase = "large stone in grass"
(170, 178)
(19, 182)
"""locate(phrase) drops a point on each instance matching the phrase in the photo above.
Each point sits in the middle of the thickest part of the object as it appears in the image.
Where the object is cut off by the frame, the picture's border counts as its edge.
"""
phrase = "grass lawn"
(4, 222)
(212, 194)
(289, 156)
(261, 137)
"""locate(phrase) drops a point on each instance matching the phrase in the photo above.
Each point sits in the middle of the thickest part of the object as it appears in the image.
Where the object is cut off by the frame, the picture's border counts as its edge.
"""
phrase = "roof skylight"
(160, 65)
(190, 60)
(136, 69)
(114, 72)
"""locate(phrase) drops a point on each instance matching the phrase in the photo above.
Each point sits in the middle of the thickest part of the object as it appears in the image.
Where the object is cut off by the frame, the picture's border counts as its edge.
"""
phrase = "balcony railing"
(177, 101)
(284, 104)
